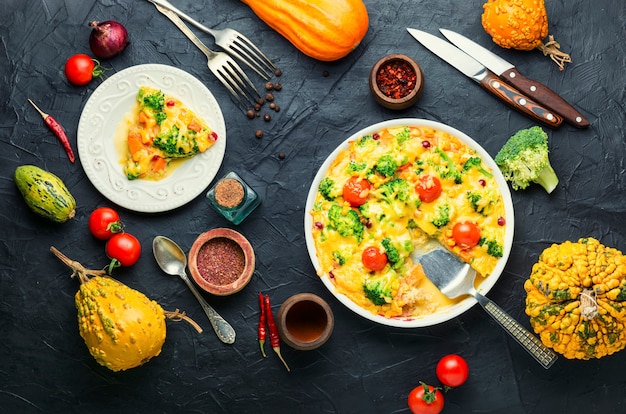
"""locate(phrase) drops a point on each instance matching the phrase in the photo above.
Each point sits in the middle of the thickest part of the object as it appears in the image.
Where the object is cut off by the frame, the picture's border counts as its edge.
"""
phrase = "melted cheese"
(407, 223)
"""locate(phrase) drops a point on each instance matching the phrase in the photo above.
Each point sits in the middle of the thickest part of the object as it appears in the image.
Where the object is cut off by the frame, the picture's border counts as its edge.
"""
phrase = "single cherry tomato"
(80, 69)
(373, 258)
(104, 222)
(425, 399)
(429, 188)
(123, 249)
(356, 190)
(452, 370)
(466, 234)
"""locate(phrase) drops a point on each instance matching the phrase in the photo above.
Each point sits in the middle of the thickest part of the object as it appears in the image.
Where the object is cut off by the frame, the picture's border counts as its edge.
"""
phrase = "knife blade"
(487, 79)
(508, 73)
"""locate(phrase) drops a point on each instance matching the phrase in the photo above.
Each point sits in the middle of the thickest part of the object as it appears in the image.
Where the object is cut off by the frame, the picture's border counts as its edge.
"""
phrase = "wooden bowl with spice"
(396, 81)
(221, 261)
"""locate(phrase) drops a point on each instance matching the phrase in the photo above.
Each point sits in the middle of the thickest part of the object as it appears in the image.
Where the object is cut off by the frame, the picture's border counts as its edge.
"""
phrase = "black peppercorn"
(325, 73)
(278, 72)
(269, 86)
(272, 105)
(257, 107)
(250, 113)
(281, 155)
(278, 86)
(258, 134)
(269, 97)
(260, 101)
(267, 117)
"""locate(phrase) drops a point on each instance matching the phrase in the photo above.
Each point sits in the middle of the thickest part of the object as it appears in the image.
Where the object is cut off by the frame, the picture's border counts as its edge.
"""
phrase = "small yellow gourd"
(121, 327)
(576, 299)
(521, 25)
(326, 30)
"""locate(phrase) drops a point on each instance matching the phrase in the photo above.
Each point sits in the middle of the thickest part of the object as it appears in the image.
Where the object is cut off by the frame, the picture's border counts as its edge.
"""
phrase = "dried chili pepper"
(58, 131)
(396, 79)
(262, 330)
(274, 335)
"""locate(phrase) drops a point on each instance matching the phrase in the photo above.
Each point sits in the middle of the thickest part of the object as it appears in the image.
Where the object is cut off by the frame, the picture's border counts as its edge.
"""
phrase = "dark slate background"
(45, 366)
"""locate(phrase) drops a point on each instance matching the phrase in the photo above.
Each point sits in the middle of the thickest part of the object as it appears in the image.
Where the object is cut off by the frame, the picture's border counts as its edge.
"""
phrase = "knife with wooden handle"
(487, 79)
(507, 72)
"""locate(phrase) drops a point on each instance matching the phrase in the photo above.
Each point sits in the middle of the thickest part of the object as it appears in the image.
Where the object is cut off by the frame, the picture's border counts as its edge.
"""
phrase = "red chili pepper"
(274, 335)
(262, 330)
(58, 131)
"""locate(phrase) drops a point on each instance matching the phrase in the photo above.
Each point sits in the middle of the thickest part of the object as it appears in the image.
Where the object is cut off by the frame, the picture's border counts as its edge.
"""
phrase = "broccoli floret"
(524, 159)
(393, 256)
(443, 218)
(493, 248)
(173, 145)
(476, 162)
(155, 100)
(403, 136)
(378, 287)
(396, 189)
(356, 167)
(365, 140)
(386, 165)
(348, 224)
(327, 188)
(450, 170)
(339, 258)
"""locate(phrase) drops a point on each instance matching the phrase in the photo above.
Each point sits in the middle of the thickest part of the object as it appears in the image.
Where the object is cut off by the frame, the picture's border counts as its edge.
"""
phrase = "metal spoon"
(172, 260)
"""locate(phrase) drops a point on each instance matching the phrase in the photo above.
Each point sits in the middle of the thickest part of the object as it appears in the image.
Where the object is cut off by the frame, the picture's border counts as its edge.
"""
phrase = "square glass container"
(233, 198)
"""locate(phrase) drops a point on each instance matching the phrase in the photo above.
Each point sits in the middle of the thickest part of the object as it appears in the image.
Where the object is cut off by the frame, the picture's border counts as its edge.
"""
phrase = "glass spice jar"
(233, 198)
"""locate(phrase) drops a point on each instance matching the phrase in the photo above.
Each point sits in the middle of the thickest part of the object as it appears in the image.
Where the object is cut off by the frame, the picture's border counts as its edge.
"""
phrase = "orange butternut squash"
(521, 25)
(326, 30)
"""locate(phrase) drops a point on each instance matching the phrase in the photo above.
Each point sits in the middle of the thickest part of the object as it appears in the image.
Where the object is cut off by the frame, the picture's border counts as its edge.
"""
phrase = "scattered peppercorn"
(278, 86)
(277, 108)
(258, 134)
(325, 74)
(272, 106)
(278, 72)
(269, 97)
(260, 101)
(281, 155)
(267, 117)
(269, 86)
(257, 107)
(250, 114)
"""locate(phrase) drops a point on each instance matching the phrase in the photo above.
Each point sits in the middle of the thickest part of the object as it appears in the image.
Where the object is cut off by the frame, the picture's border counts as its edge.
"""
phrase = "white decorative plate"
(105, 110)
(444, 314)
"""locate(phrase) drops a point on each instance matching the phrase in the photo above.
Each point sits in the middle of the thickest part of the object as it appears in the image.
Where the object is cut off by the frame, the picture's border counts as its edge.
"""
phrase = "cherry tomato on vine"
(123, 249)
(466, 234)
(452, 370)
(373, 258)
(428, 188)
(356, 190)
(425, 399)
(104, 222)
(80, 69)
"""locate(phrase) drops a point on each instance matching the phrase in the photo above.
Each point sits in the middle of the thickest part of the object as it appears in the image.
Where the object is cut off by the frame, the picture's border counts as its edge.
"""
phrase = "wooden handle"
(546, 96)
(519, 101)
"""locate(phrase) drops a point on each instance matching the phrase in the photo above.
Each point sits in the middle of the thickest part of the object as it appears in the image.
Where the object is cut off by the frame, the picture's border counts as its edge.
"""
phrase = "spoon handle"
(223, 329)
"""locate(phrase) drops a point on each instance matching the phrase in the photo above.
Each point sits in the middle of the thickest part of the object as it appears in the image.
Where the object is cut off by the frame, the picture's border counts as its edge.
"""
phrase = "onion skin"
(108, 38)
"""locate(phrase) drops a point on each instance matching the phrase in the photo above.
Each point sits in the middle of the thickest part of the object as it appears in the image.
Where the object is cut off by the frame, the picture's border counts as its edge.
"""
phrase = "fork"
(221, 64)
(231, 41)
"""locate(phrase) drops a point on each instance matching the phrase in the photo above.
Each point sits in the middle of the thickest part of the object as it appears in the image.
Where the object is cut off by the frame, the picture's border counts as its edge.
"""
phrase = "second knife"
(507, 72)
(487, 79)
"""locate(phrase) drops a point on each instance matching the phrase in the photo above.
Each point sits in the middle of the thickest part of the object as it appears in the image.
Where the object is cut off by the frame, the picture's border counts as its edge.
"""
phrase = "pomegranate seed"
(426, 144)
(501, 221)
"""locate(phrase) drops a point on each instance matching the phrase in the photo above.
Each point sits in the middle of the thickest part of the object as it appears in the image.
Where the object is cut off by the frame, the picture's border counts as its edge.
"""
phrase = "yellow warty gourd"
(121, 327)
(576, 299)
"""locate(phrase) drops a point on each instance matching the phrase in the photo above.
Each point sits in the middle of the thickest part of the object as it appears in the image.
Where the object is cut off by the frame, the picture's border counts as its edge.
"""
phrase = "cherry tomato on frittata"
(356, 190)
(466, 234)
(428, 188)
(374, 259)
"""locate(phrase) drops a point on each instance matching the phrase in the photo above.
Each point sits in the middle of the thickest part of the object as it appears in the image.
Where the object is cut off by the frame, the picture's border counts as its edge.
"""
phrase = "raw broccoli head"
(348, 224)
(524, 159)
(378, 288)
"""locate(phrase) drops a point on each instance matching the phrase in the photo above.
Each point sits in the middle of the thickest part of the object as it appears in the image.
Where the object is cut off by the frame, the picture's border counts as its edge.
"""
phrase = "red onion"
(108, 38)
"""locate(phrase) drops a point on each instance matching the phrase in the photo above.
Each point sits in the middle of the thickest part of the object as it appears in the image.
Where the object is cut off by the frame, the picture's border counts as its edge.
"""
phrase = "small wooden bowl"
(305, 321)
(404, 101)
(221, 261)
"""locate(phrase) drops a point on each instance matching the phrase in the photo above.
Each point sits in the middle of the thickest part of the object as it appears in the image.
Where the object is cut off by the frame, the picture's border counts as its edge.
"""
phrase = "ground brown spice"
(221, 261)
(229, 193)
